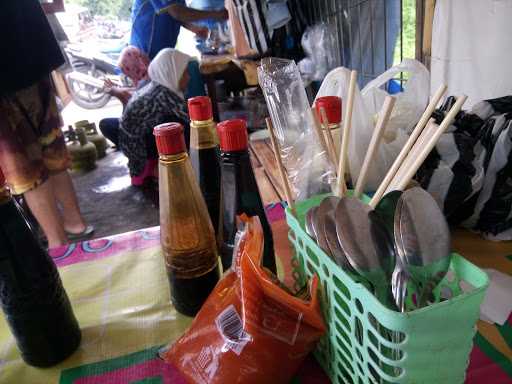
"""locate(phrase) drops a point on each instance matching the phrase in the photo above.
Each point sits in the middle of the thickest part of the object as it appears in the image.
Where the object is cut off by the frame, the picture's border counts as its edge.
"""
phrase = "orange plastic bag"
(250, 329)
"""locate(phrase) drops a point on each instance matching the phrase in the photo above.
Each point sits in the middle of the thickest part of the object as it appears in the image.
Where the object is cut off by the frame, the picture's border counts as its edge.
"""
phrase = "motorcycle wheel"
(85, 95)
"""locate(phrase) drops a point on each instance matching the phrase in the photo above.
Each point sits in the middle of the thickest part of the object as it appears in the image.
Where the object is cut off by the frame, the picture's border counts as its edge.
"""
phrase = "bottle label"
(202, 137)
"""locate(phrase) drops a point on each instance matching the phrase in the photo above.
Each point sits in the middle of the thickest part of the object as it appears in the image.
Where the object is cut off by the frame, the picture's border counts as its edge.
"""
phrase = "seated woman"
(134, 64)
(159, 101)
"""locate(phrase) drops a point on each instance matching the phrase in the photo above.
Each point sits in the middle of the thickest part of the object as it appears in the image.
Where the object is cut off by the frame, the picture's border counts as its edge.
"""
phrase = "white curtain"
(472, 48)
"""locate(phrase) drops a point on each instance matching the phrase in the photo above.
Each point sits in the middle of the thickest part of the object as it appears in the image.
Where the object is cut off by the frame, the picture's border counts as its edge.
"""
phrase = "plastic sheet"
(319, 46)
(306, 162)
(251, 329)
(469, 171)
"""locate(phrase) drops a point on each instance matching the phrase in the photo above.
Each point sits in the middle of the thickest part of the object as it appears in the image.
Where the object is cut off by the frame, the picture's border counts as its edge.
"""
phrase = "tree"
(125, 9)
(113, 8)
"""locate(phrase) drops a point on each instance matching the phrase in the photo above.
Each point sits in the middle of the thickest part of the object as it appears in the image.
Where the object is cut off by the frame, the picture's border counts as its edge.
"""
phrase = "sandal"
(84, 235)
(147, 173)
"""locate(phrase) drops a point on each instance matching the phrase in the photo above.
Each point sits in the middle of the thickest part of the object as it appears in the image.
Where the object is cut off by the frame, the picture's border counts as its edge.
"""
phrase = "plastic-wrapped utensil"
(306, 163)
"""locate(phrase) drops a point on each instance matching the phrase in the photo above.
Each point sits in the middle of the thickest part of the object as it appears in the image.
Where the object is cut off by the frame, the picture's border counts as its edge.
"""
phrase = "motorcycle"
(90, 67)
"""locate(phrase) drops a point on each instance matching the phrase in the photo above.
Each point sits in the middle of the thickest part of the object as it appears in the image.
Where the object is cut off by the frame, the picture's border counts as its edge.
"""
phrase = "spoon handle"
(378, 132)
(448, 119)
(408, 145)
(347, 125)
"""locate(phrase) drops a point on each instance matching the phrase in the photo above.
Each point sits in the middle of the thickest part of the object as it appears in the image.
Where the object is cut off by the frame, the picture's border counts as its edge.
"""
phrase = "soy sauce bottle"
(186, 232)
(32, 297)
(240, 192)
(204, 154)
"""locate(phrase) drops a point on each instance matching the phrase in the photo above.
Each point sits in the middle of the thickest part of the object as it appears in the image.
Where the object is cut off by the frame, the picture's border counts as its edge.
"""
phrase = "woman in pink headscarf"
(133, 63)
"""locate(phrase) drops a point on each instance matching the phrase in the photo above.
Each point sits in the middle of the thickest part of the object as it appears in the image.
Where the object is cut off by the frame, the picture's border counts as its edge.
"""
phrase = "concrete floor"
(110, 203)
(106, 197)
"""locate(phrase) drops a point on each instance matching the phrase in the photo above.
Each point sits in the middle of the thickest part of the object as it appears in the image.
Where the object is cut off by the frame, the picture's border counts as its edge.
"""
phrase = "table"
(119, 292)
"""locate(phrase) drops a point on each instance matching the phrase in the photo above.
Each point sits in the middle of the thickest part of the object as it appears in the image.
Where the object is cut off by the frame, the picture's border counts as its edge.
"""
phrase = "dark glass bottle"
(240, 192)
(204, 154)
(186, 233)
(33, 299)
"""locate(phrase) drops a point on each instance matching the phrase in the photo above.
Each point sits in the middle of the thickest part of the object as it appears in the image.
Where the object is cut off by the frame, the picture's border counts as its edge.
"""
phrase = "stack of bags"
(470, 170)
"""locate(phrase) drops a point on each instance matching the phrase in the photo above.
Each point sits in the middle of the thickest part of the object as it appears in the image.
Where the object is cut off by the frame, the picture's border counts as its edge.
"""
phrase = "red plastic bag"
(250, 329)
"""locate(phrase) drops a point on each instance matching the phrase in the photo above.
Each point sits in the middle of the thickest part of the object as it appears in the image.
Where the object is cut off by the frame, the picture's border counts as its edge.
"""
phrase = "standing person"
(33, 154)
(153, 31)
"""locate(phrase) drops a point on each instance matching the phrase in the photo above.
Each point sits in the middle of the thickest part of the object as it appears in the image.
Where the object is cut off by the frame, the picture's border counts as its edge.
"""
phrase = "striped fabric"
(251, 14)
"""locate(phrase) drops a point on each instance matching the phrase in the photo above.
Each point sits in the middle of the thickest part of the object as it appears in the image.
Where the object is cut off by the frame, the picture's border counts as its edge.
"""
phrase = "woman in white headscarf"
(159, 101)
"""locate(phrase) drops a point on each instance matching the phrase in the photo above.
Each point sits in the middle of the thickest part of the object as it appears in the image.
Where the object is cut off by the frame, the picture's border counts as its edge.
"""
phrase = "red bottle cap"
(232, 135)
(332, 106)
(200, 108)
(169, 138)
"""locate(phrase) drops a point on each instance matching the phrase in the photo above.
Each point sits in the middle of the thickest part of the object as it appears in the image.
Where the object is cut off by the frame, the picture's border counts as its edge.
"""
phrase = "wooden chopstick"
(448, 119)
(347, 125)
(321, 138)
(408, 145)
(328, 133)
(378, 132)
(280, 166)
(422, 140)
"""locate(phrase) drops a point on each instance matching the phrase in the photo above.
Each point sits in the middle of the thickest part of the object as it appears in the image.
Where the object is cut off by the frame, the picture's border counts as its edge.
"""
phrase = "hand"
(201, 32)
(107, 83)
(109, 86)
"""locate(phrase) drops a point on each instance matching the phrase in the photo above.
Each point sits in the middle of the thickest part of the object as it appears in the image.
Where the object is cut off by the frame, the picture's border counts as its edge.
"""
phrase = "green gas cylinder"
(83, 153)
(97, 139)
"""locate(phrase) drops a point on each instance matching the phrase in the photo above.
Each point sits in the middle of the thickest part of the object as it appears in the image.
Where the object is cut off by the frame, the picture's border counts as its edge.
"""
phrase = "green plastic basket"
(369, 343)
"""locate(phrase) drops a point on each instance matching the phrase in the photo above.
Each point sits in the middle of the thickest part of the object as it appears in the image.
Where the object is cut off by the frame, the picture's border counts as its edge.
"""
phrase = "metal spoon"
(354, 235)
(400, 279)
(422, 237)
(325, 209)
(386, 208)
(384, 243)
(328, 226)
(310, 229)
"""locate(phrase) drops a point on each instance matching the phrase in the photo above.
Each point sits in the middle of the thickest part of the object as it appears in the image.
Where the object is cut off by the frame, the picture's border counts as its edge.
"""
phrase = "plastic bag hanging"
(409, 106)
(306, 162)
(319, 45)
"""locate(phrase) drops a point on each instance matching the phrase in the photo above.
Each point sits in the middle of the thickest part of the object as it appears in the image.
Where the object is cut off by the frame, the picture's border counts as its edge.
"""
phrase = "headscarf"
(134, 64)
(168, 67)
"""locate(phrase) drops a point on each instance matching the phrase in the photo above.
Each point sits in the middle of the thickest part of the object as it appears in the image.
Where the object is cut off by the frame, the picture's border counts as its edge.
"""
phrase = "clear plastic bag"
(318, 44)
(408, 108)
(248, 324)
(307, 164)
